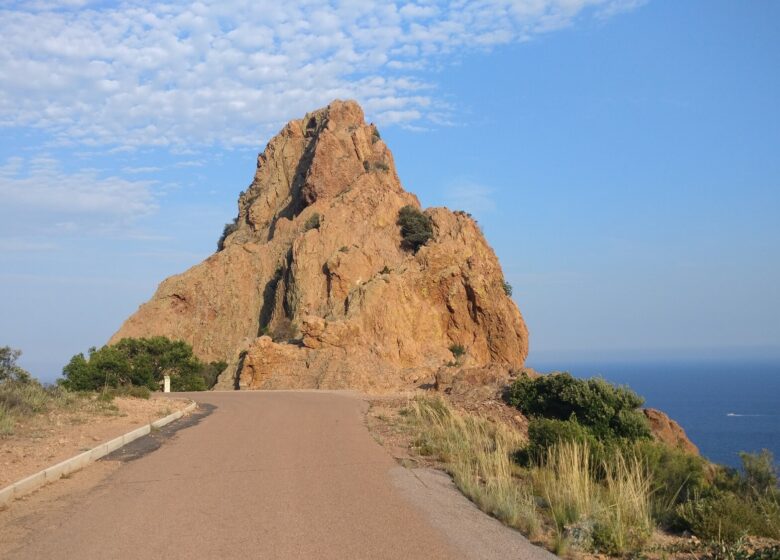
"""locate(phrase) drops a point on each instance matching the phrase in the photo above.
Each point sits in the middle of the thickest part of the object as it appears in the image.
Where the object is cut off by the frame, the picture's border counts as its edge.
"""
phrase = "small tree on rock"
(416, 228)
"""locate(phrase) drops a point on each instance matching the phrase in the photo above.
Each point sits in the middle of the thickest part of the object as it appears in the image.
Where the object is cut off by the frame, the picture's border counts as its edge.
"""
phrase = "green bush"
(608, 411)
(227, 230)
(760, 473)
(544, 433)
(416, 228)
(9, 371)
(284, 330)
(726, 517)
(139, 362)
(457, 350)
(737, 503)
(677, 476)
(507, 288)
(188, 382)
(313, 222)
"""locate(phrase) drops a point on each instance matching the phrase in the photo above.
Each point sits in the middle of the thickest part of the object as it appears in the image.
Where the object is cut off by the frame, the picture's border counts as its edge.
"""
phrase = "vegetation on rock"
(416, 228)
(313, 222)
(227, 230)
(507, 288)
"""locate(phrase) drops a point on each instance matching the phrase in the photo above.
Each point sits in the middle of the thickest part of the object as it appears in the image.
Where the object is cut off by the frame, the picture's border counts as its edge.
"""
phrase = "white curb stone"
(55, 472)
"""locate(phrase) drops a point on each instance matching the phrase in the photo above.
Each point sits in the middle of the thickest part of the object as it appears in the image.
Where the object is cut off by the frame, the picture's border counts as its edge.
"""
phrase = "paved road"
(269, 475)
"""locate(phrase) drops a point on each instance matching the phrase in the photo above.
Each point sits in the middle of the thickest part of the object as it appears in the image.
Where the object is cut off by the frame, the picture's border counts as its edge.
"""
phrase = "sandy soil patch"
(47, 439)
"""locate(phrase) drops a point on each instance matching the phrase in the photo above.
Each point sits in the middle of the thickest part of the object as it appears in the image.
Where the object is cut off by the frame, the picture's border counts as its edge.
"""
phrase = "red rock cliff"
(316, 257)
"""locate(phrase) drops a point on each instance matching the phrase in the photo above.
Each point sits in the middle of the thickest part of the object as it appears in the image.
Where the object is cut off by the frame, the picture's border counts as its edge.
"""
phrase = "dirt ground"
(46, 439)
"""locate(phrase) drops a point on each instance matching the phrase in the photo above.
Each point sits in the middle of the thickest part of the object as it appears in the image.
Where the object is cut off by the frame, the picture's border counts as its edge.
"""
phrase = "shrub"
(607, 410)
(313, 222)
(284, 330)
(139, 362)
(227, 230)
(416, 228)
(546, 433)
(677, 477)
(188, 382)
(385, 270)
(507, 288)
(760, 472)
(210, 372)
(724, 516)
(9, 371)
(369, 166)
(457, 350)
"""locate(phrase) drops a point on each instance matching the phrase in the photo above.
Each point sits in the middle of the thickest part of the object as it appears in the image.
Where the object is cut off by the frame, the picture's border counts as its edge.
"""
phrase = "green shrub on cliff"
(604, 409)
(416, 228)
(140, 362)
(229, 228)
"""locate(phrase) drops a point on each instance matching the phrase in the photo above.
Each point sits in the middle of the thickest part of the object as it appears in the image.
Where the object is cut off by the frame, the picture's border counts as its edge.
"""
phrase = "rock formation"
(312, 287)
(669, 432)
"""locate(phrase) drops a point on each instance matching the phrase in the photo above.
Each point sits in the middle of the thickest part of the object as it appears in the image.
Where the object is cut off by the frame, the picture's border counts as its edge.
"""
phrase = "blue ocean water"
(724, 408)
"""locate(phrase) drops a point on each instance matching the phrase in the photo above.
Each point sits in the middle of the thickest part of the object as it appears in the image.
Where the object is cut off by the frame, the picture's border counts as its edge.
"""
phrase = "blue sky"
(621, 156)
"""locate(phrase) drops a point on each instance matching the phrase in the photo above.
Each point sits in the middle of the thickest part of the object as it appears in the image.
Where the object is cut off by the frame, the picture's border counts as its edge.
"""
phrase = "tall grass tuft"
(615, 509)
(7, 421)
(565, 480)
(477, 454)
(624, 520)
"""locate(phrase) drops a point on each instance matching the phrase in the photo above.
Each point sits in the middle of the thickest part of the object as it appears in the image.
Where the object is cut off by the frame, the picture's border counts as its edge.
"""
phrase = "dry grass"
(625, 520)
(606, 509)
(616, 510)
(477, 455)
(19, 401)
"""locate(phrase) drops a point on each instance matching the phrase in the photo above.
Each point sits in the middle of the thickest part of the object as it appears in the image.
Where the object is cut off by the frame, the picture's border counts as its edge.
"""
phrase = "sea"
(724, 408)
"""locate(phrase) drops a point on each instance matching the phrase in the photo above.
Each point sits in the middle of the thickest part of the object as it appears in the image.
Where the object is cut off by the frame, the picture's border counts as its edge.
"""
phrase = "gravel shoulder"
(46, 439)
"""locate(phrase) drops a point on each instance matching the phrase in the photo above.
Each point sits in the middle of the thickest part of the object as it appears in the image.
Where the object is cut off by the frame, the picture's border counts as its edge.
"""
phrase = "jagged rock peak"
(328, 152)
(313, 286)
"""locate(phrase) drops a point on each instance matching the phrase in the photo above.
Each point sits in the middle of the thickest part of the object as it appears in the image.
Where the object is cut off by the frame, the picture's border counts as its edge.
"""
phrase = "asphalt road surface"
(277, 475)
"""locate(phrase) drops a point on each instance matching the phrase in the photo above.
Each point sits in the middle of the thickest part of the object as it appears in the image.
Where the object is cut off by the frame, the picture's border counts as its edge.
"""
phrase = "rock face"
(315, 259)
(669, 432)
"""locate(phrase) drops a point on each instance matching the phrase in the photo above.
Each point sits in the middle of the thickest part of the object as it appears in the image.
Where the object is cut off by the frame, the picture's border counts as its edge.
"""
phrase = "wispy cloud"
(39, 186)
(141, 170)
(14, 244)
(227, 72)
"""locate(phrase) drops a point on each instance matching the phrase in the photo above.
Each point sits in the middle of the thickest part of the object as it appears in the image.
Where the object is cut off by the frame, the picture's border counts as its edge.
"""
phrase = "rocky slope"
(315, 259)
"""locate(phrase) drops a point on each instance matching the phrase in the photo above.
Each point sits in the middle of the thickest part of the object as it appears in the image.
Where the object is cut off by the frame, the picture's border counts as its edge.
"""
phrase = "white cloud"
(39, 187)
(141, 170)
(228, 72)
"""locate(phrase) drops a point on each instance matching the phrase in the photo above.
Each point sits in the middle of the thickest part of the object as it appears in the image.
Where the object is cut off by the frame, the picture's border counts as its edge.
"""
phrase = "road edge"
(78, 462)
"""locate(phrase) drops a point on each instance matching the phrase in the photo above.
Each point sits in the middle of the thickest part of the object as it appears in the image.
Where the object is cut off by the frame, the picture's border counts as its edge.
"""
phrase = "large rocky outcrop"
(316, 254)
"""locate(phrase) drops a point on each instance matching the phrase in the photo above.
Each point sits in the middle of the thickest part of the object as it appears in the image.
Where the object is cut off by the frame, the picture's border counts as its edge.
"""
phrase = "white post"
(167, 384)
